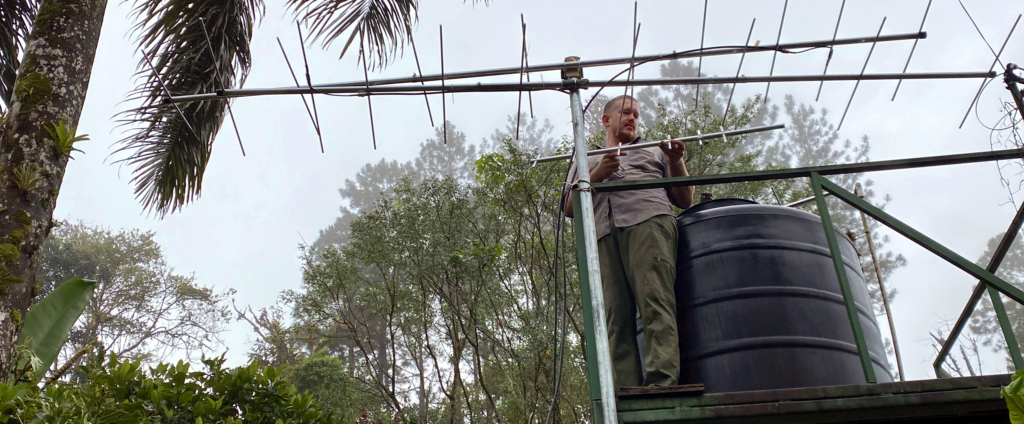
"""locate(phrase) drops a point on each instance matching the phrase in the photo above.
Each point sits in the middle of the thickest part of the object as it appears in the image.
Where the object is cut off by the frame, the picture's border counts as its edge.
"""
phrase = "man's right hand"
(608, 166)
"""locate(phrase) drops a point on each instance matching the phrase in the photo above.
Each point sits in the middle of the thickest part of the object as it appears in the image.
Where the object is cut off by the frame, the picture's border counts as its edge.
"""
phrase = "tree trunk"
(51, 87)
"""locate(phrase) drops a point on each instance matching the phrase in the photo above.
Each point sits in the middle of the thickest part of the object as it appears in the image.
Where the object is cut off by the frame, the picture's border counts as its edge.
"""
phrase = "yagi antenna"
(522, 66)
(778, 38)
(830, 51)
(526, 60)
(900, 82)
(369, 103)
(981, 34)
(360, 85)
(854, 92)
(167, 92)
(990, 68)
(444, 111)
(416, 56)
(216, 63)
(747, 44)
(700, 60)
(629, 73)
(316, 126)
(309, 82)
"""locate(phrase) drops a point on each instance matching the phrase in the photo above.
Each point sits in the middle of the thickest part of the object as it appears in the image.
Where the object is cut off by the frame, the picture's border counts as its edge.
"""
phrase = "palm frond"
(16, 17)
(169, 150)
(384, 24)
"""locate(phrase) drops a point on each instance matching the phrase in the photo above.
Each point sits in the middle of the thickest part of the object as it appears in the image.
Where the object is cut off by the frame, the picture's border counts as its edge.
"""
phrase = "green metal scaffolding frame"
(988, 281)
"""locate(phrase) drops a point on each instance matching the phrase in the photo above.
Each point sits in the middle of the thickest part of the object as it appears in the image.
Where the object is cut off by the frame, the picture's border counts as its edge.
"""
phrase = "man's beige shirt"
(629, 208)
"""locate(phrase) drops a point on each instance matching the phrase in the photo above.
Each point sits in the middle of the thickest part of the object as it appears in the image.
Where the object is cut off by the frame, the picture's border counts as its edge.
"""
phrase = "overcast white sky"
(255, 210)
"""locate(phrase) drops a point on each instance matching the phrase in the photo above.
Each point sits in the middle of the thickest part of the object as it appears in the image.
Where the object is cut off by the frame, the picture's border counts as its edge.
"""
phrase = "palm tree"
(47, 48)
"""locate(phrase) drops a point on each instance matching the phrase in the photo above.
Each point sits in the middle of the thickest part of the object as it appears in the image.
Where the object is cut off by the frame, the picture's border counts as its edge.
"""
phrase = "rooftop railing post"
(844, 281)
(589, 267)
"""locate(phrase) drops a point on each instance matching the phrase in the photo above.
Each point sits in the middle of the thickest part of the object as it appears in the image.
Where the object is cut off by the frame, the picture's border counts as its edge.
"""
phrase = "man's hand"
(676, 152)
(608, 166)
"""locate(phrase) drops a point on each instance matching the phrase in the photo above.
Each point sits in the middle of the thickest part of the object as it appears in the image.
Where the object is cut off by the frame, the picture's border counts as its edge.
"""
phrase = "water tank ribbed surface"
(760, 306)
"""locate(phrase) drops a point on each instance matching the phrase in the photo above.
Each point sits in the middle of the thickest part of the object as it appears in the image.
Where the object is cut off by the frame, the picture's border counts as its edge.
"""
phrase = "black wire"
(978, 117)
(557, 364)
(661, 57)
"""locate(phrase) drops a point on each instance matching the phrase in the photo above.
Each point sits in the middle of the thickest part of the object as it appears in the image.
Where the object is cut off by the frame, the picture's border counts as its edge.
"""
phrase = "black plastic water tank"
(759, 303)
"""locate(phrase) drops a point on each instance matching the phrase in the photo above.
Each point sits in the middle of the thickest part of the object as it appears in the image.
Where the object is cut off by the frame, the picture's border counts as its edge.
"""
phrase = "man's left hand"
(676, 152)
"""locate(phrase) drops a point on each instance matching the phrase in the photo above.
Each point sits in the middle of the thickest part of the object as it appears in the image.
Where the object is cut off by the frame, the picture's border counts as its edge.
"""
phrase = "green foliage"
(48, 322)
(64, 138)
(16, 237)
(327, 380)
(141, 307)
(458, 311)
(21, 217)
(27, 176)
(115, 390)
(9, 253)
(32, 88)
(18, 17)
(1014, 395)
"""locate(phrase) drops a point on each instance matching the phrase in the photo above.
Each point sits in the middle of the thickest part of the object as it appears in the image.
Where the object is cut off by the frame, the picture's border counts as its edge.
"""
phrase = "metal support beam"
(558, 85)
(590, 269)
(993, 266)
(844, 281)
(590, 342)
(783, 174)
(710, 51)
(1011, 84)
(924, 241)
(1007, 329)
(692, 138)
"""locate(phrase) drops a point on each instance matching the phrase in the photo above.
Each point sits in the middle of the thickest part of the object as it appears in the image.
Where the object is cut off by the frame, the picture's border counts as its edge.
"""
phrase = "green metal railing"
(820, 184)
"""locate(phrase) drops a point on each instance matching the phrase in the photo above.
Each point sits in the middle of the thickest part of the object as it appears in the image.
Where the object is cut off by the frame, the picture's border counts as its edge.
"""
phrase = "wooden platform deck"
(949, 400)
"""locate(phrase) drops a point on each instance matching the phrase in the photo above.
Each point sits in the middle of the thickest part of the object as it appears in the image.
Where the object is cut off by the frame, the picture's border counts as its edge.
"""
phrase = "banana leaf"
(48, 323)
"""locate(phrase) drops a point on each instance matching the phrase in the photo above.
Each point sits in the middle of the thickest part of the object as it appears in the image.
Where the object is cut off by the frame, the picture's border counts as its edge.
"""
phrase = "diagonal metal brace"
(997, 304)
(924, 241)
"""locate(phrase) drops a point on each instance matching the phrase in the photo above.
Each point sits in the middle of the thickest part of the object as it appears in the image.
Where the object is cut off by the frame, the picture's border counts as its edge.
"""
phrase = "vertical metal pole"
(593, 377)
(590, 269)
(844, 282)
(997, 301)
(881, 286)
(1010, 79)
(1004, 324)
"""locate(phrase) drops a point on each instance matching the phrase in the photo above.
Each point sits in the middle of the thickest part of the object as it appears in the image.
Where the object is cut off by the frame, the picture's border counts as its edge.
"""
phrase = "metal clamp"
(575, 72)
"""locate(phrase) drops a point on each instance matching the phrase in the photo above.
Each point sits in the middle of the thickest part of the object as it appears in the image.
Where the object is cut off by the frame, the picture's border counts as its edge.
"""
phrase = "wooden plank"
(648, 392)
(816, 393)
(965, 406)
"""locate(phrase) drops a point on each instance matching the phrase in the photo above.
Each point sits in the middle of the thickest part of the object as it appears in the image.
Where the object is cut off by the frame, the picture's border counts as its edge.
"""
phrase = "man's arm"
(682, 197)
(608, 165)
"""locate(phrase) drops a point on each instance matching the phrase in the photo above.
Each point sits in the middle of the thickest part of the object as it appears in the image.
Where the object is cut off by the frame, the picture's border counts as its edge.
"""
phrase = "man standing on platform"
(637, 239)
